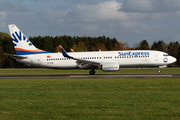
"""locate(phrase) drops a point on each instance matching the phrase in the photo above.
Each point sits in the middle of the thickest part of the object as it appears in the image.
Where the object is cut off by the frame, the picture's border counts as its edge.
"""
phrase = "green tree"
(178, 56)
(154, 46)
(173, 48)
(143, 45)
(101, 47)
(160, 46)
(82, 47)
(109, 44)
(75, 47)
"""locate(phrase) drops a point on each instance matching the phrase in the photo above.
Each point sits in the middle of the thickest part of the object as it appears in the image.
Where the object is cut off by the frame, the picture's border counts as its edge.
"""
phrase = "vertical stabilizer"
(21, 44)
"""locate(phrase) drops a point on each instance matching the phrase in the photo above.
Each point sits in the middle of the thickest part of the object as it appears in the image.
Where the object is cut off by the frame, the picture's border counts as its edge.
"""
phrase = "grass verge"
(135, 99)
(76, 71)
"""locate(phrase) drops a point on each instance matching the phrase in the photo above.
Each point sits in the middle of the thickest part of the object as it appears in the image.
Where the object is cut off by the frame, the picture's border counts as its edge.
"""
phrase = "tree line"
(79, 44)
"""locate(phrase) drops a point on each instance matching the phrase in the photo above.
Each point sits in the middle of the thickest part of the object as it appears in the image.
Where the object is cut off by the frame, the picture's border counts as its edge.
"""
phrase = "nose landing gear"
(159, 71)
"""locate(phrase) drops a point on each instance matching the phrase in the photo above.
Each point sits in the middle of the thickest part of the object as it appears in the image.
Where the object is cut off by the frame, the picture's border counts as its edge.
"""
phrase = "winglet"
(63, 51)
(72, 50)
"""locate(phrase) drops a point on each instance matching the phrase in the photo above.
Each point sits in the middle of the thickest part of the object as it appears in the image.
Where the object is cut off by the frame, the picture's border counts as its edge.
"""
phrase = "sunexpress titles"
(133, 53)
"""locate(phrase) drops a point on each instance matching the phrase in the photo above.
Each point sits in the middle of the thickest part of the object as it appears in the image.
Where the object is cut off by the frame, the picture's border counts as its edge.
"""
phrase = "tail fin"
(22, 45)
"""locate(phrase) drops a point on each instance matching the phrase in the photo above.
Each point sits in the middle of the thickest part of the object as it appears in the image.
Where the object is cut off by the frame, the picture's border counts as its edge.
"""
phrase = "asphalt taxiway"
(90, 76)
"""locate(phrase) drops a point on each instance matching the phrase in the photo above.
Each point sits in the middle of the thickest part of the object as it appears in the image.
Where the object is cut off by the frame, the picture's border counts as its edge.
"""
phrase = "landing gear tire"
(92, 72)
(159, 71)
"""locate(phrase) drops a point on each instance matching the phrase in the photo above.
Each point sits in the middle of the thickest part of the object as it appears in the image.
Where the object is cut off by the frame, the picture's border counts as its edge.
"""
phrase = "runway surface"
(90, 76)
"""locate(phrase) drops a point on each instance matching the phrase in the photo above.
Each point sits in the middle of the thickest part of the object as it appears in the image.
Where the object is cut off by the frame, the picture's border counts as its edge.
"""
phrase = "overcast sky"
(127, 20)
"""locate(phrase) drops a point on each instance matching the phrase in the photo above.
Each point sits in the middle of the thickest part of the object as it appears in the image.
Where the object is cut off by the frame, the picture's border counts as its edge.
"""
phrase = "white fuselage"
(130, 58)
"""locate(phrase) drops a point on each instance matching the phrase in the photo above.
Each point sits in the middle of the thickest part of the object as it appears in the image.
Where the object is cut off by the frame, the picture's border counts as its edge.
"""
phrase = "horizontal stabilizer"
(16, 56)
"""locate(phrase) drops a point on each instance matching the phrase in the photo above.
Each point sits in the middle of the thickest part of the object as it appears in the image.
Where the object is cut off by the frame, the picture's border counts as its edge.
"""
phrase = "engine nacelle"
(111, 66)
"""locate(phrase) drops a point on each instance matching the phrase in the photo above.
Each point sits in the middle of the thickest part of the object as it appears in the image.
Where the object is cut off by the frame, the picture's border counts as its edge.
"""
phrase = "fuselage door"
(39, 60)
(156, 56)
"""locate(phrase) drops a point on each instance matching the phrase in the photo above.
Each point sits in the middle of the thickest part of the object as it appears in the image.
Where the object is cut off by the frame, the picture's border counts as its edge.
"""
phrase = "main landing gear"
(92, 72)
(159, 71)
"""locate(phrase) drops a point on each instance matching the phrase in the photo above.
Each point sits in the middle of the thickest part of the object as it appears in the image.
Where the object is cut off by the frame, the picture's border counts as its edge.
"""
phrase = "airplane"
(27, 53)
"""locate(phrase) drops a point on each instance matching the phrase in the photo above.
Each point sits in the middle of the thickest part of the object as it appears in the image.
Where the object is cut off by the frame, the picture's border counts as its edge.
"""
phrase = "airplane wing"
(81, 62)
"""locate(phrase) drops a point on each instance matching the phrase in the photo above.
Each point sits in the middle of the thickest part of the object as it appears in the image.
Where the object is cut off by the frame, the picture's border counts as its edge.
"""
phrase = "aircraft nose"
(173, 59)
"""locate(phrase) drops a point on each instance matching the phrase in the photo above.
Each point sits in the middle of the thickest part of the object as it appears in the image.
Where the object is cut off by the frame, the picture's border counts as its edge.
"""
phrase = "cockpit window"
(165, 55)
